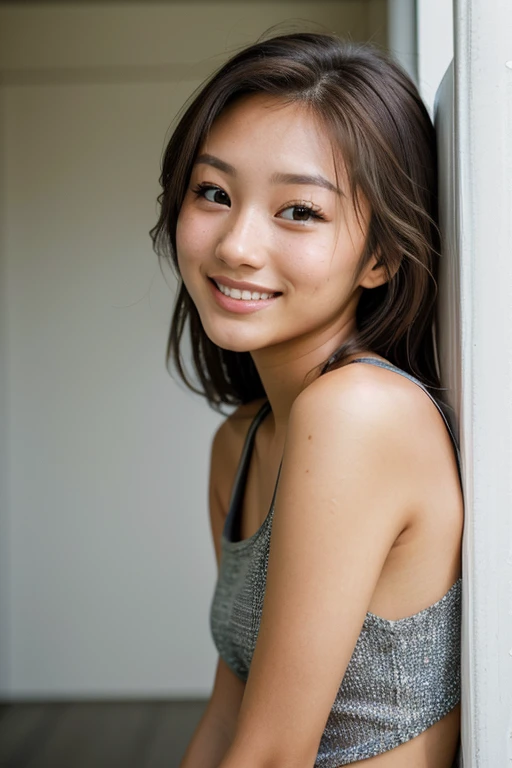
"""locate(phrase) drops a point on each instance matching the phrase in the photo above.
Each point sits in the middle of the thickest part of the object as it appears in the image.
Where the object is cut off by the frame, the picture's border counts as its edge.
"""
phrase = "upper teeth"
(236, 293)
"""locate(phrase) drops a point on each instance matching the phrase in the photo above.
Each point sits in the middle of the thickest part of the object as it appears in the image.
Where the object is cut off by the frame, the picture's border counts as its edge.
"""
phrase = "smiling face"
(268, 244)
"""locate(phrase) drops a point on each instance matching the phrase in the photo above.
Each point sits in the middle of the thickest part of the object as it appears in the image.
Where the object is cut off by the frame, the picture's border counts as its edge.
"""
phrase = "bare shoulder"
(372, 396)
(388, 416)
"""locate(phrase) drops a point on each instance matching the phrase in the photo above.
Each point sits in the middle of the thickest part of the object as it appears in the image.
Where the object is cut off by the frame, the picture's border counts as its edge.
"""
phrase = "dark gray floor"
(97, 734)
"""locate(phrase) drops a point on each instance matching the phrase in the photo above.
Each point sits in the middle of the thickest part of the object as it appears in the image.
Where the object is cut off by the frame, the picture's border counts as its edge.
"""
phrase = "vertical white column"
(402, 40)
(435, 45)
(483, 139)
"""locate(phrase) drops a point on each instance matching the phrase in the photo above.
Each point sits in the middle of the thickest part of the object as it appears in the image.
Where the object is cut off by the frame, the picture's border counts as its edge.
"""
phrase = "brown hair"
(375, 116)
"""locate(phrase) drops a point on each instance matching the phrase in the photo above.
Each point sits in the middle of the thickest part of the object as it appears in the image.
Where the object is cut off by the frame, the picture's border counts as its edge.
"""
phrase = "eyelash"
(315, 212)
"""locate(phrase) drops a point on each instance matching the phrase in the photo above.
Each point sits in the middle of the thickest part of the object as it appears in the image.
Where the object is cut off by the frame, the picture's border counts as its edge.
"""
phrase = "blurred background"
(106, 564)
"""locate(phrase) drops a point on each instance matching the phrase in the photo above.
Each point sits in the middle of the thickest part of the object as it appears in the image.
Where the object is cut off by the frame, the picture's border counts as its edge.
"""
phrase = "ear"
(374, 273)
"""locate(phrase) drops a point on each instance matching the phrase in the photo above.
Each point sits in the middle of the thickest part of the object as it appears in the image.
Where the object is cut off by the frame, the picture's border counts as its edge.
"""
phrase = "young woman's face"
(268, 241)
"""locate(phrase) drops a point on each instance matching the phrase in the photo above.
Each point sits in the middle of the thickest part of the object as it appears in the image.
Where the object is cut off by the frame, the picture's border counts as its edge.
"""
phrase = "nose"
(241, 243)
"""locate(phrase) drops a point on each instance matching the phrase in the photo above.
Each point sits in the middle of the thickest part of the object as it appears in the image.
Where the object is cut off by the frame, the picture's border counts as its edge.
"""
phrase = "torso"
(425, 559)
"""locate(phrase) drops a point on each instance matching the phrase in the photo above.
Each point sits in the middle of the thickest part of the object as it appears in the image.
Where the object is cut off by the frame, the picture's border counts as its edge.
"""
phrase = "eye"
(212, 193)
(301, 212)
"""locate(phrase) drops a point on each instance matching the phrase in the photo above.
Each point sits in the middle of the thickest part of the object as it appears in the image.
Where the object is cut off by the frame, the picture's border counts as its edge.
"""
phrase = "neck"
(287, 370)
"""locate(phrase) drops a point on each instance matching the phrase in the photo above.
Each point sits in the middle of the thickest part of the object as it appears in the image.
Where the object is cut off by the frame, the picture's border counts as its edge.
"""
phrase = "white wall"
(402, 34)
(434, 19)
(106, 567)
(450, 298)
(420, 36)
(474, 122)
(483, 131)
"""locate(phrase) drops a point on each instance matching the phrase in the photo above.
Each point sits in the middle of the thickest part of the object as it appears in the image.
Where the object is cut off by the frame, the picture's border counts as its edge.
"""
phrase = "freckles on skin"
(311, 265)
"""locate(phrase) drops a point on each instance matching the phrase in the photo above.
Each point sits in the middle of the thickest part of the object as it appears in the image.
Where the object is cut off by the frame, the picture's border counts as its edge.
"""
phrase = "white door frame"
(474, 124)
(483, 141)
(402, 34)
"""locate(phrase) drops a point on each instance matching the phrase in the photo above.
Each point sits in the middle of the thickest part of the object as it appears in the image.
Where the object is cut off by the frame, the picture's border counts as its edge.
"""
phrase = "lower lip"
(239, 306)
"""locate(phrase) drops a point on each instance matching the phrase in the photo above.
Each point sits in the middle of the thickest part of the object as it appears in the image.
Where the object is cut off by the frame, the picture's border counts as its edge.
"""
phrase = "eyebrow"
(277, 178)
(216, 162)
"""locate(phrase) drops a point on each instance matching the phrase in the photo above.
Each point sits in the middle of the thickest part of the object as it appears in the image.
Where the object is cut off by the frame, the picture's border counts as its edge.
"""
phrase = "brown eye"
(216, 196)
(212, 194)
(302, 213)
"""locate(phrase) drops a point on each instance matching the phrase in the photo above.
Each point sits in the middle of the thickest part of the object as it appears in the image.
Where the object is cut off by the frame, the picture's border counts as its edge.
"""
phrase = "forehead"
(270, 130)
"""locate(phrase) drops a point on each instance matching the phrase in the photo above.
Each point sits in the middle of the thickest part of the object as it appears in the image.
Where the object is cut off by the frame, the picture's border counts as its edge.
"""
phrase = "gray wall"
(5, 570)
(106, 564)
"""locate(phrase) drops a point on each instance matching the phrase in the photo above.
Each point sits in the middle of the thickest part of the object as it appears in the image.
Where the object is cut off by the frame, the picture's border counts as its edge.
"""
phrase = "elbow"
(249, 755)
(288, 762)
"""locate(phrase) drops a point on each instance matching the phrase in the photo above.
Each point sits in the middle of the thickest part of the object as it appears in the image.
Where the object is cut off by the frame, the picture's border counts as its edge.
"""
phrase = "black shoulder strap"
(444, 409)
(237, 494)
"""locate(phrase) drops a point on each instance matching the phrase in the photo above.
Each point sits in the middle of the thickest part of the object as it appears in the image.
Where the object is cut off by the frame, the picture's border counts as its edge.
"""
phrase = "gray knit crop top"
(403, 675)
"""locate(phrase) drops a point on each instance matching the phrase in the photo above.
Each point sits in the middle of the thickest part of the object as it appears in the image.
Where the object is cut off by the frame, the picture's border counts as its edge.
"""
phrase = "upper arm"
(228, 688)
(340, 505)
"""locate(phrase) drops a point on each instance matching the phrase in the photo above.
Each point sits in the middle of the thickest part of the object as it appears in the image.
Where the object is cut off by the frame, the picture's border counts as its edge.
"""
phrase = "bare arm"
(216, 729)
(344, 451)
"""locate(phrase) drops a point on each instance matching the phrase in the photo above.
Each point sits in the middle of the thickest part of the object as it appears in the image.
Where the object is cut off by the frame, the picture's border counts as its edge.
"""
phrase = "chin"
(233, 342)
(231, 345)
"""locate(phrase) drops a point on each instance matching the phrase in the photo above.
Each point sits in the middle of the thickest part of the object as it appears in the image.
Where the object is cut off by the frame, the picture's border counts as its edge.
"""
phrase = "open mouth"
(243, 295)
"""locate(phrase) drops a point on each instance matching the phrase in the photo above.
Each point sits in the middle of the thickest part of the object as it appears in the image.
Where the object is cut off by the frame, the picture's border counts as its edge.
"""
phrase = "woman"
(299, 207)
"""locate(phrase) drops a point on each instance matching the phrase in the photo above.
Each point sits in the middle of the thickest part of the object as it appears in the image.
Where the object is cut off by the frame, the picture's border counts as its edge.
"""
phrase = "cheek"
(191, 239)
(317, 263)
